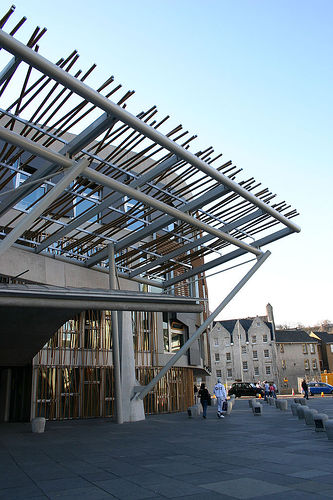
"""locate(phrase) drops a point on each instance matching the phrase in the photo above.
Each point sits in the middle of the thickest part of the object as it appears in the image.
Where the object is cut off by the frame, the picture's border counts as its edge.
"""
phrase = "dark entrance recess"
(15, 393)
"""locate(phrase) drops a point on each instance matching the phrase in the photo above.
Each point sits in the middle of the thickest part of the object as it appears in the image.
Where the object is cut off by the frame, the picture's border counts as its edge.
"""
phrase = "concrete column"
(133, 409)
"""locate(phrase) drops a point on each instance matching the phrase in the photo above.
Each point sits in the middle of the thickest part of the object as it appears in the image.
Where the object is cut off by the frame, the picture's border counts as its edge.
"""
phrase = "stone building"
(297, 358)
(243, 350)
(325, 349)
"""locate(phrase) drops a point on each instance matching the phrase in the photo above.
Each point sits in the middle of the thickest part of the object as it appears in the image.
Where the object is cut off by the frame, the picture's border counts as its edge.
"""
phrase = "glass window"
(244, 365)
(265, 338)
(312, 348)
(305, 349)
(255, 354)
(256, 370)
(281, 348)
(314, 364)
(243, 349)
(228, 356)
(89, 200)
(266, 353)
(284, 364)
(137, 212)
(217, 356)
(229, 373)
(331, 347)
(268, 370)
(306, 364)
(33, 197)
(216, 342)
(254, 339)
(218, 373)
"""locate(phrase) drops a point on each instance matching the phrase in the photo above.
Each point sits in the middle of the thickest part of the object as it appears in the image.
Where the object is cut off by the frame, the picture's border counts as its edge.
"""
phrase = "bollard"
(259, 401)
(229, 407)
(300, 412)
(256, 409)
(319, 421)
(272, 401)
(251, 401)
(283, 405)
(38, 425)
(194, 411)
(293, 407)
(329, 428)
(276, 403)
(303, 401)
(309, 414)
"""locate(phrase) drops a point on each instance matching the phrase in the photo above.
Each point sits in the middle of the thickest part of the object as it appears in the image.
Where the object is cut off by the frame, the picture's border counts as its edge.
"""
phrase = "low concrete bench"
(194, 411)
(229, 408)
(283, 404)
(329, 428)
(294, 407)
(300, 412)
(38, 425)
(309, 414)
(319, 421)
(257, 409)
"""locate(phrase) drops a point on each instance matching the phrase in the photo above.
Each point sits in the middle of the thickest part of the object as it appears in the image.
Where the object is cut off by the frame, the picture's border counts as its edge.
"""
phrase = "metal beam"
(196, 243)
(9, 69)
(162, 222)
(43, 204)
(204, 325)
(85, 137)
(163, 207)
(20, 50)
(111, 200)
(104, 180)
(226, 258)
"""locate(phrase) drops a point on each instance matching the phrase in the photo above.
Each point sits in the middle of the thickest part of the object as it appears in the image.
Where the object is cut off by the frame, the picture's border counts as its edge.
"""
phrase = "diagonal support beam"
(111, 200)
(162, 222)
(20, 50)
(9, 69)
(204, 325)
(42, 205)
(85, 137)
(194, 244)
(227, 258)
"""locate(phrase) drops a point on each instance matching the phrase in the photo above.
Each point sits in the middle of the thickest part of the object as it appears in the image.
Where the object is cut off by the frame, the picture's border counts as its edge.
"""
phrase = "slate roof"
(293, 336)
(327, 338)
(246, 323)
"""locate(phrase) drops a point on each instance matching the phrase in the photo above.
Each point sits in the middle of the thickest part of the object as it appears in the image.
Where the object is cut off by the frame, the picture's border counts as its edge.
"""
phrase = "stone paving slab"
(272, 456)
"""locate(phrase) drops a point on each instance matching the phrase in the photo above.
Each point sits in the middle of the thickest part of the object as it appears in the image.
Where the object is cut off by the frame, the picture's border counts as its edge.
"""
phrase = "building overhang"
(31, 314)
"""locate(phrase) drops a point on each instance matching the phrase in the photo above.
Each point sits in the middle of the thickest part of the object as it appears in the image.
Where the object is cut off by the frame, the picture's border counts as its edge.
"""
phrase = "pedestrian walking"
(221, 396)
(305, 389)
(204, 398)
(266, 386)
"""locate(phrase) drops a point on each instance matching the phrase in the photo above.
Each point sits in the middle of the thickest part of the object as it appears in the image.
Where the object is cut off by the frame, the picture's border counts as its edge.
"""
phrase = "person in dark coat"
(204, 397)
(305, 389)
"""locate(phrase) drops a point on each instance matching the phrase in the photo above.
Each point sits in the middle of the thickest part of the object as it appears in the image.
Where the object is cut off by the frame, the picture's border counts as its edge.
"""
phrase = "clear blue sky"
(253, 79)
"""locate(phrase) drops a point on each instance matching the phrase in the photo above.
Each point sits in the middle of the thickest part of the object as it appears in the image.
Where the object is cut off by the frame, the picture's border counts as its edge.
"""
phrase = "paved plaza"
(272, 456)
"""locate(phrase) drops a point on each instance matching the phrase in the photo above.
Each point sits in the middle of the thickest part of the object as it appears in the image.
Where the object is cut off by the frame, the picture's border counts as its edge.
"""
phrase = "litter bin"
(38, 425)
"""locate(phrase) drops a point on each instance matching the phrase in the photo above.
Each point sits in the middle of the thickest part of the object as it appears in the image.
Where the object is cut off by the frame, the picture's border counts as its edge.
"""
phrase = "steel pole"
(204, 325)
(80, 88)
(115, 339)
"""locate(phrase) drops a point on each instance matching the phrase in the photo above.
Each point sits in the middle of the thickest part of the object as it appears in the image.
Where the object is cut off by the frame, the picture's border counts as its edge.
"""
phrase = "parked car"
(245, 389)
(319, 387)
